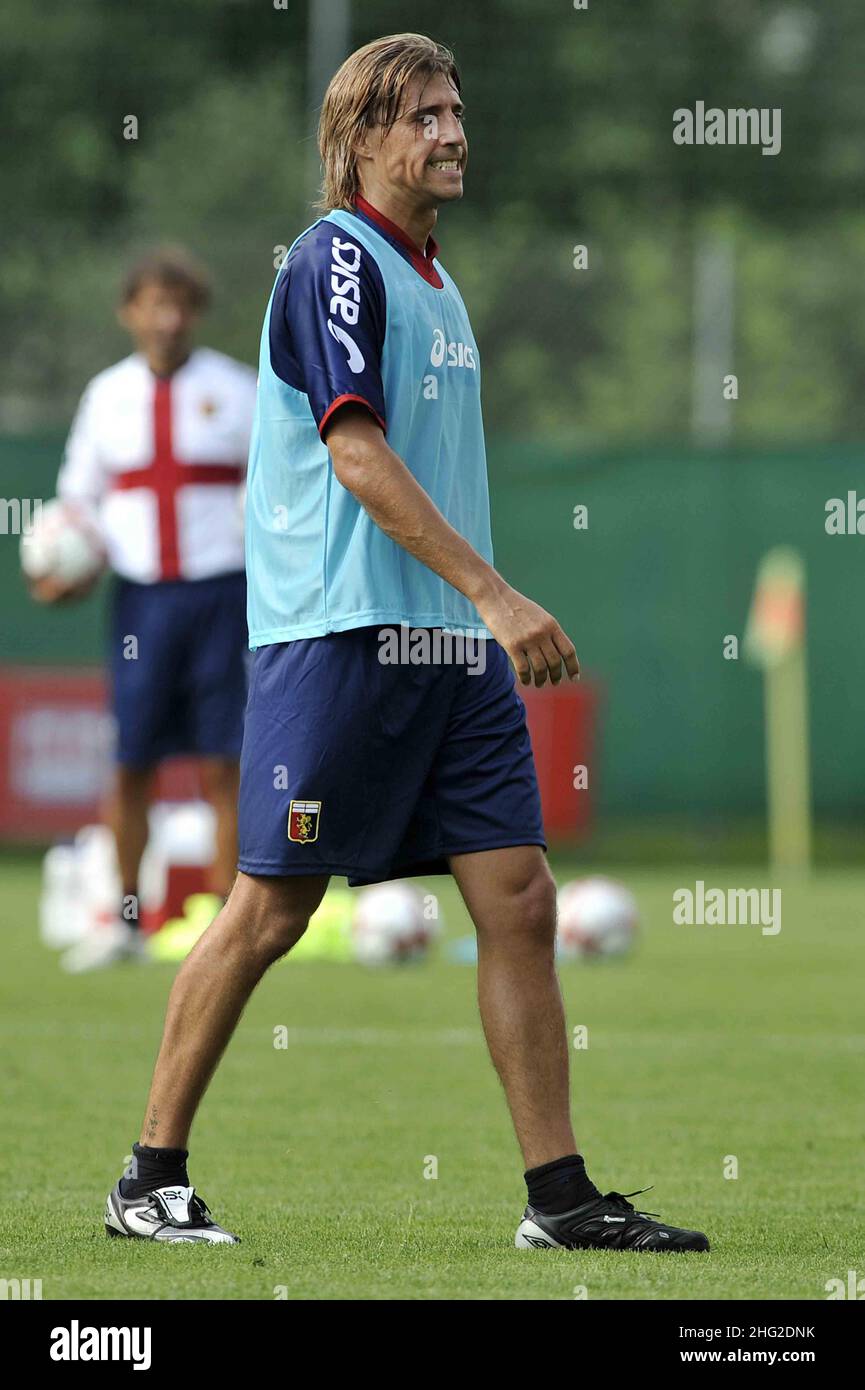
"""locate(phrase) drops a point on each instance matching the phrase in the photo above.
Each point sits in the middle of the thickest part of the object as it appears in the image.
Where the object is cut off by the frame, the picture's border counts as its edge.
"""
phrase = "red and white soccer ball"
(597, 917)
(63, 545)
(391, 924)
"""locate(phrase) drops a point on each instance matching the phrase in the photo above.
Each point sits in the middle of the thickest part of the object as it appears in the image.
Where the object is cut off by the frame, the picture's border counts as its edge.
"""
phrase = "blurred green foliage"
(570, 128)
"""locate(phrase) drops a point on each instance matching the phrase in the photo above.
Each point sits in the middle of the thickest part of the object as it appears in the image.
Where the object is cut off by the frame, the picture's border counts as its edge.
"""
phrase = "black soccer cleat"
(166, 1213)
(605, 1223)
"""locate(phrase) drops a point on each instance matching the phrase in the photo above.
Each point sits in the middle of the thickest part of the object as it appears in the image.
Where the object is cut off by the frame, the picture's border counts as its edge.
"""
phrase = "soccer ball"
(597, 917)
(389, 924)
(63, 545)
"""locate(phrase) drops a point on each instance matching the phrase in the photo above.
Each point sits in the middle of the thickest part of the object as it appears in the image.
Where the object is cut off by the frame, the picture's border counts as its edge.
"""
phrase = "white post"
(327, 45)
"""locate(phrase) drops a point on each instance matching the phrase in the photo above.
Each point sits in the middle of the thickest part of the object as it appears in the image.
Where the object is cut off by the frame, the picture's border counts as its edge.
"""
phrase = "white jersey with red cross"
(160, 462)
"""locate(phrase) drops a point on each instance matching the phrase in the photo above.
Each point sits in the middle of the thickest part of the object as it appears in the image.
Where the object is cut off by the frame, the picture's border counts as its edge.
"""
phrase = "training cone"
(176, 939)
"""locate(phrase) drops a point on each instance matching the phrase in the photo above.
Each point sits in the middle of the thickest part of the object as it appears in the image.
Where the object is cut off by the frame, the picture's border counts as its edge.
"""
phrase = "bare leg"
(262, 919)
(127, 816)
(511, 896)
(220, 782)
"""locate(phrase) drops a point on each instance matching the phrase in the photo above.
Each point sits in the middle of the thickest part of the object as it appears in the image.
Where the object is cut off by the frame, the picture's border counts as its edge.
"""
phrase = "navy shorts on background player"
(184, 689)
(374, 771)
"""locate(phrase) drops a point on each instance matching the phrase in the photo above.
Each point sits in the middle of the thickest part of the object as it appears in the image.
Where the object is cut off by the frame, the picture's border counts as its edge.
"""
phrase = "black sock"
(560, 1185)
(154, 1168)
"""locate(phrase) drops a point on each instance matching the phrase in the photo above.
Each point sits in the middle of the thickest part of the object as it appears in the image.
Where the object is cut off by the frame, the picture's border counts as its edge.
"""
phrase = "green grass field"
(708, 1042)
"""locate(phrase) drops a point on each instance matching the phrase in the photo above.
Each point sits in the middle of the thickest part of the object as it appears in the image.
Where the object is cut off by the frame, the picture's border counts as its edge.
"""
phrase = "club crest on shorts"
(303, 821)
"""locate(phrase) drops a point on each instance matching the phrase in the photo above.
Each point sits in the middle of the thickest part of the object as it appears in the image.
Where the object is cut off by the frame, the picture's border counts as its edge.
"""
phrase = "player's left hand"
(537, 646)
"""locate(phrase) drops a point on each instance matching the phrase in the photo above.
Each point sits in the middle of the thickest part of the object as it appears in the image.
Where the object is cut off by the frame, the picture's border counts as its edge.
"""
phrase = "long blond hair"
(367, 90)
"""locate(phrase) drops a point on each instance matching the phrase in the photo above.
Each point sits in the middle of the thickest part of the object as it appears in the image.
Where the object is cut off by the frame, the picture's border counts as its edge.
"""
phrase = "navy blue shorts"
(373, 771)
(184, 691)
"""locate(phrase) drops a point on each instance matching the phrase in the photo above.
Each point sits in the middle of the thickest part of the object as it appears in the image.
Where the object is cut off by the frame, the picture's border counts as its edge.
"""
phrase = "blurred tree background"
(570, 118)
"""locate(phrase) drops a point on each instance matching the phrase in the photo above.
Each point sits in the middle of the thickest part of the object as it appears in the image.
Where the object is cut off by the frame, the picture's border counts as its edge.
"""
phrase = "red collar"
(421, 260)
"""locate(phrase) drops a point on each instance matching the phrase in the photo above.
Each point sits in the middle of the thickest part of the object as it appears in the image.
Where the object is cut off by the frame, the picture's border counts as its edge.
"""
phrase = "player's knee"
(274, 922)
(273, 933)
(528, 916)
(267, 916)
(538, 902)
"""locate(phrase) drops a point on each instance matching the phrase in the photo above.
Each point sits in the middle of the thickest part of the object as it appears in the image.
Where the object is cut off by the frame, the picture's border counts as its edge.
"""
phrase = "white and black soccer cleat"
(166, 1213)
(604, 1223)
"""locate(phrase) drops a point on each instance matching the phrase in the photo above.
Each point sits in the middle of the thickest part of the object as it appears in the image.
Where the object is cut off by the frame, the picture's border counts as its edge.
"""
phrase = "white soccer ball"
(63, 545)
(390, 925)
(597, 917)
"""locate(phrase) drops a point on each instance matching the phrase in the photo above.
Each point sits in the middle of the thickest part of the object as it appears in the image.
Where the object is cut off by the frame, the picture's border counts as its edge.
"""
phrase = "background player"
(157, 453)
(389, 770)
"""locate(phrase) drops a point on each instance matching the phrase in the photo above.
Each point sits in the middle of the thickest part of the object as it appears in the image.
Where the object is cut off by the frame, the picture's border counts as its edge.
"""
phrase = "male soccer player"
(157, 453)
(367, 510)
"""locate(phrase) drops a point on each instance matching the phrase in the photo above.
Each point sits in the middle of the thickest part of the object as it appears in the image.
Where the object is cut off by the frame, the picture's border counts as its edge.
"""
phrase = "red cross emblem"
(165, 476)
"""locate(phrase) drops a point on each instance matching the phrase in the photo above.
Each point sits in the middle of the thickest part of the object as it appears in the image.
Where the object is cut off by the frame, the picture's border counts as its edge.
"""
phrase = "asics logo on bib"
(356, 361)
(345, 299)
(457, 354)
(345, 280)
